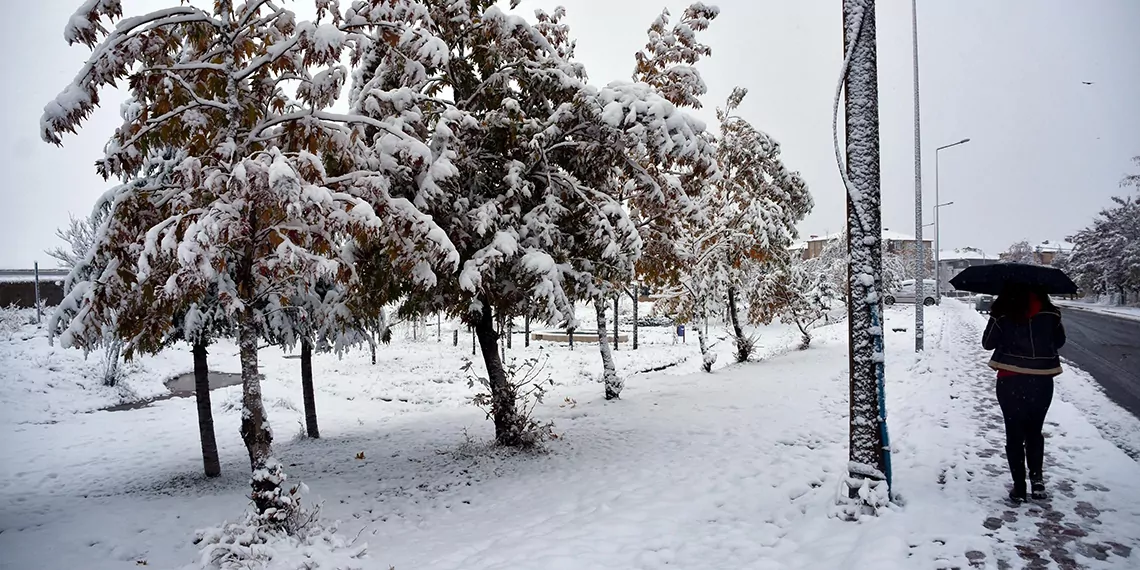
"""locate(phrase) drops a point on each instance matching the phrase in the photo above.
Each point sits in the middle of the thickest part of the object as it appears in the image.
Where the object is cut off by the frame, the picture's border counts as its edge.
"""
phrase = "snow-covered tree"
(795, 296)
(251, 207)
(761, 202)
(1019, 252)
(664, 210)
(1106, 254)
(746, 226)
(79, 235)
(896, 269)
(830, 266)
(527, 163)
(321, 316)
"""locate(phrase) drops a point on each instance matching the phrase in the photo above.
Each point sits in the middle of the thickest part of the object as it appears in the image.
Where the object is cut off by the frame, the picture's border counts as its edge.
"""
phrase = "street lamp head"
(963, 141)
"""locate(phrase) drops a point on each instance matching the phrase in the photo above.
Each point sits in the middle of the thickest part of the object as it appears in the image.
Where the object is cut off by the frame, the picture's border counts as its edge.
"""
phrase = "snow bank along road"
(1106, 346)
(731, 470)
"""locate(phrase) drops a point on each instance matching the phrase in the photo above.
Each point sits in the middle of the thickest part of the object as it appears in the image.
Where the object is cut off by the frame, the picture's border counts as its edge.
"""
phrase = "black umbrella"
(993, 279)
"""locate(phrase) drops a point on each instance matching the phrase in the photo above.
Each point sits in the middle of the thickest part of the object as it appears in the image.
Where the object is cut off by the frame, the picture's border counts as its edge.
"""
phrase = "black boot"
(1018, 494)
(1039, 493)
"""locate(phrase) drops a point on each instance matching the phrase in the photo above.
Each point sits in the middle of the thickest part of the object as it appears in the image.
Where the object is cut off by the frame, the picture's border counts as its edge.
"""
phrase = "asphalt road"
(1108, 348)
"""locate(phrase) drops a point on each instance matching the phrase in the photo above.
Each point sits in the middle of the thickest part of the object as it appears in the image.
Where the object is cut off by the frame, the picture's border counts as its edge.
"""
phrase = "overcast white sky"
(1046, 154)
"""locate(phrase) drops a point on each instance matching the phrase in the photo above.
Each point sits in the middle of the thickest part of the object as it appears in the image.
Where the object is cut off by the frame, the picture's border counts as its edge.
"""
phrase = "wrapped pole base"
(864, 492)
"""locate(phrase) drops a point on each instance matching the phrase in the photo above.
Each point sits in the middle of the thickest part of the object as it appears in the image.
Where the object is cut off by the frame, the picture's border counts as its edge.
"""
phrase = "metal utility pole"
(920, 258)
(938, 227)
(39, 306)
(869, 459)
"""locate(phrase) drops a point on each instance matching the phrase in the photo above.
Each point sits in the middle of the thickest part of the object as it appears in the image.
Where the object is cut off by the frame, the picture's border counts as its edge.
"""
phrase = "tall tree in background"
(1020, 252)
(795, 296)
(758, 203)
(78, 236)
(1106, 255)
(663, 209)
(98, 307)
(526, 167)
(239, 215)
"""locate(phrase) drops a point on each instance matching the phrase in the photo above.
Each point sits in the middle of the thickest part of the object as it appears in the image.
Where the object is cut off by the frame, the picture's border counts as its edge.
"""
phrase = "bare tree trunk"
(372, 347)
(636, 302)
(504, 412)
(510, 331)
(210, 460)
(609, 371)
(266, 479)
(307, 389)
(805, 339)
(502, 345)
(617, 306)
(111, 364)
(744, 345)
(526, 326)
(707, 358)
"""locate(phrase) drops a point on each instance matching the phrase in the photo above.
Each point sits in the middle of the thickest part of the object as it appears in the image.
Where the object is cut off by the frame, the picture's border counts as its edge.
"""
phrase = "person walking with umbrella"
(1025, 333)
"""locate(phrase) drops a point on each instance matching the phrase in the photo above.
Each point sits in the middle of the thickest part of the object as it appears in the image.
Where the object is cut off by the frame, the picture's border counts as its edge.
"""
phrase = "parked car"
(905, 293)
(983, 304)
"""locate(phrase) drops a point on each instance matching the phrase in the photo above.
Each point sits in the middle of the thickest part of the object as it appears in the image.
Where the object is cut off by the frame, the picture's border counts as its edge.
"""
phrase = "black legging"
(1024, 402)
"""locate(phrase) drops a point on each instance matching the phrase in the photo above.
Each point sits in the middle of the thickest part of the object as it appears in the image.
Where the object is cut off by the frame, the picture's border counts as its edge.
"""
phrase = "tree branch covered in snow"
(1106, 254)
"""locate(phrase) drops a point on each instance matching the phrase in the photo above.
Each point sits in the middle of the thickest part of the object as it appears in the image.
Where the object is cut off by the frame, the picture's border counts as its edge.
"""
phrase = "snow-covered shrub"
(250, 545)
(527, 388)
(12, 319)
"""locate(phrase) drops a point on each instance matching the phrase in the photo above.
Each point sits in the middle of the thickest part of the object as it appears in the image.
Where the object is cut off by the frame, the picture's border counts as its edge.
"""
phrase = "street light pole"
(938, 251)
(937, 226)
(920, 258)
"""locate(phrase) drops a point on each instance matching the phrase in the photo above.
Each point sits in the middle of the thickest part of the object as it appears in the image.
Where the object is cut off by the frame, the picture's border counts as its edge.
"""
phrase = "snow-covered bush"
(12, 319)
(250, 545)
(527, 386)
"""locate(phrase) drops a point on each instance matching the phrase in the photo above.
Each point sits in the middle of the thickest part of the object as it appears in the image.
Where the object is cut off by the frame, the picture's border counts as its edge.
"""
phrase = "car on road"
(983, 304)
(906, 293)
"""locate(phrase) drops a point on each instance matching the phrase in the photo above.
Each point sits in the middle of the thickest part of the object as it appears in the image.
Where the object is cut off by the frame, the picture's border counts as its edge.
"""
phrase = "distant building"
(1046, 252)
(951, 263)
(18, 287)
(896, 242)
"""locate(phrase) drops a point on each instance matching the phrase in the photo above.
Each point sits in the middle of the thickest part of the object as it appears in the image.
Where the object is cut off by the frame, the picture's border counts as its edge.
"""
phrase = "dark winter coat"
(1026, 346)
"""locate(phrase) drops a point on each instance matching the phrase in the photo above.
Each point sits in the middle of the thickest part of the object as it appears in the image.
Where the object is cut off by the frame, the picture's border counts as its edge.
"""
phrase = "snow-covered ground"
(1104, 309)
(735, 469)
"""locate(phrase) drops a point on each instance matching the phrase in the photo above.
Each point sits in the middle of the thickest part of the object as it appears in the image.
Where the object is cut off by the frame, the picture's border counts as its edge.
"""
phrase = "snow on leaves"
(527, 164)
(1106, 254)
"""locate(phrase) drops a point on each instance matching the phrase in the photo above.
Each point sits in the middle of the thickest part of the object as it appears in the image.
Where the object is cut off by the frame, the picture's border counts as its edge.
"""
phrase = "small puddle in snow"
(180, 387)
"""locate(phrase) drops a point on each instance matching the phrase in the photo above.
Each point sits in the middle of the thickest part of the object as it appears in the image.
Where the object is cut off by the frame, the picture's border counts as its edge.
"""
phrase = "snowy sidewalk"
(1092, 519)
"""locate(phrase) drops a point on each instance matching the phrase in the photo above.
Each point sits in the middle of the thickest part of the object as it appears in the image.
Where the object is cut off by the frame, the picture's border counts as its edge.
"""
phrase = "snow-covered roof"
(953, 254)
(888, 235)
(1053, 245)
(15, 275)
